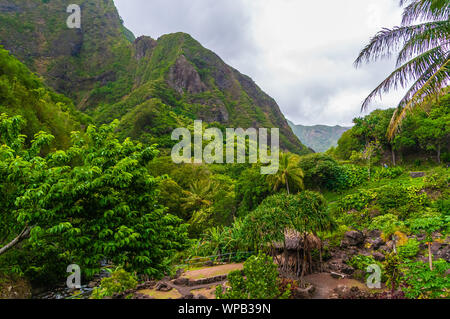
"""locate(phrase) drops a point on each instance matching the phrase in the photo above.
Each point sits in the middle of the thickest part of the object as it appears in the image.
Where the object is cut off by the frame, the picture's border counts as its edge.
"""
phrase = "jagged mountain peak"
(109, 74)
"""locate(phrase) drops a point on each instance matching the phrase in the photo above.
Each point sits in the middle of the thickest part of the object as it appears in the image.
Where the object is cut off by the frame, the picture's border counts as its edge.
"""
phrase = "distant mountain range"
(320, 138)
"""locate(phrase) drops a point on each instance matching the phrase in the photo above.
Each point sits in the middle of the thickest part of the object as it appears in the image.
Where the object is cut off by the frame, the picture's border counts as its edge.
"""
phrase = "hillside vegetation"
(109, 77)
(86, 177)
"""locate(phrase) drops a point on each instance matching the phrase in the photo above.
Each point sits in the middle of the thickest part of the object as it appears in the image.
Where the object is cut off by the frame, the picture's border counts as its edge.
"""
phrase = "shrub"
(258, 280)
(356, 201)
(439, 179)
(410, 249)
(390, 172)
(420, 282)
(119, 281)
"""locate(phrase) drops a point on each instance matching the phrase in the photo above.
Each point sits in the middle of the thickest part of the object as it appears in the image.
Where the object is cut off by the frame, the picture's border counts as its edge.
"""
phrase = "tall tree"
(423, 56)
(95, 201)
(289, 175)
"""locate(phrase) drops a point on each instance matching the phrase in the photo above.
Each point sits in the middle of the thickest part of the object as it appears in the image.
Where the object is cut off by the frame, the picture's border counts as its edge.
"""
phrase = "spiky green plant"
(422, 56)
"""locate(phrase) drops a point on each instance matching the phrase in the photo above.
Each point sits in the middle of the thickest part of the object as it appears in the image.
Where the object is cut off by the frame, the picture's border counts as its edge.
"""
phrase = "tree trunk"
(285, 261)
(23, 235)
(304, 262)
(430, 257)
(287, 186)
(439, 154)
(393, 157)
(394, 240)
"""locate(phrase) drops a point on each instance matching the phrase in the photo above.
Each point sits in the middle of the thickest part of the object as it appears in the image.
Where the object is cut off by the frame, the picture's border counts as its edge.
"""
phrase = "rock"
(377, 243)
(378, 256)
(443, 253)
(353, 238)
(144, 46)
(146, 285)
(94, 283)
(178, 273)
(339, 266)
(184, 77)
(141, 296)
(182, 281)
(374, 233)
(435, 247)
(345, 292)
(163, 286)
(303, 293)
(417, 174)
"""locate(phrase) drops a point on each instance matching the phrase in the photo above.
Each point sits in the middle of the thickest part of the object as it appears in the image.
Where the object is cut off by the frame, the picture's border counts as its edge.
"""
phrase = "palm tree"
(289, 175)
(198, 195)
(423, 56)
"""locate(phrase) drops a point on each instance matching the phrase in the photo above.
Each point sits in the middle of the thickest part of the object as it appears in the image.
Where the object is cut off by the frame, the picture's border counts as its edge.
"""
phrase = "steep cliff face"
(110, 75)
(72, 61)
(22, 93)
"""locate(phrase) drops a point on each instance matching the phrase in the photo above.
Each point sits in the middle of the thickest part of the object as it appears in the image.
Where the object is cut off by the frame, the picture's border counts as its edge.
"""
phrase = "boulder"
(378, 256)
(339, 266)
(376, 243)
(353, 238)
(344, 292)
(417, 174)
(163, 286)
(443, 253)
(303, 293)
(182, 281)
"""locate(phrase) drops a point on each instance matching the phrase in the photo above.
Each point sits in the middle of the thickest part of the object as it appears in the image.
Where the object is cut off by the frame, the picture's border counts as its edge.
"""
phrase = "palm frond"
(410, 71)
(424, 88)
(388, 41)
(423, 10)
(436, 36)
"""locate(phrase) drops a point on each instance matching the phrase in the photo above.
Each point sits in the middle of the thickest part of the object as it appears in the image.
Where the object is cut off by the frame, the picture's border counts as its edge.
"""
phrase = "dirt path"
(324, 284)
(207, 290)
(212, 271)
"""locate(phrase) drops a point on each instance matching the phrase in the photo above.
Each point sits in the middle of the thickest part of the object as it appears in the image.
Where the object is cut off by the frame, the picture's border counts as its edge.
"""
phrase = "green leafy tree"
(95, 201)
(423, 57)
(434, 130)
(258, 280)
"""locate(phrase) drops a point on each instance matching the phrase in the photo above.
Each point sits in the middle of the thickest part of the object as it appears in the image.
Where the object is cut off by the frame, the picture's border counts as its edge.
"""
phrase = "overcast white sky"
(300, 52)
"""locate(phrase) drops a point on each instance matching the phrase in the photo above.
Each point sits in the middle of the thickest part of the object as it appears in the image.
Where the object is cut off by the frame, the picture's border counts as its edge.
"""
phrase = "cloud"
(300, 52)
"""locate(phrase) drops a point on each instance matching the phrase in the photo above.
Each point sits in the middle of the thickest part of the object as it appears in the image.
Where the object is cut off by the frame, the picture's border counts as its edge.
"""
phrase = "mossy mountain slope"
(23, 93)
(110, 75)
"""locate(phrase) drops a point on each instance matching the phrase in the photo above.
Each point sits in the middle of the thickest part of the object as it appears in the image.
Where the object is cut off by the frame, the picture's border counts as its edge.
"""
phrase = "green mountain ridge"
(152, 86)
(320, 138)
(22, 93)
